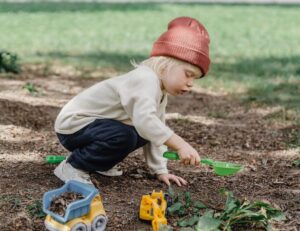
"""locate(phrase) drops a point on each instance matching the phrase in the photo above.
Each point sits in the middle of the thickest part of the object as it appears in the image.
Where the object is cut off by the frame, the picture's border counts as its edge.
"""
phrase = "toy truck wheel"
(99, 223)
(79, 227)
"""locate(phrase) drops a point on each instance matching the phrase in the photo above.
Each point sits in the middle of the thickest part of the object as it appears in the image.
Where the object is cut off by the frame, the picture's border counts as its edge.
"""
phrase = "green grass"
(255, 49)
(35, 209)
(294, 141)
(11, 202)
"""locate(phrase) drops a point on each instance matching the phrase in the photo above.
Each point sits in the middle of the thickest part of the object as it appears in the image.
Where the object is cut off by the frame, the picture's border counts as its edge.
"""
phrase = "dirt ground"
(216, 124)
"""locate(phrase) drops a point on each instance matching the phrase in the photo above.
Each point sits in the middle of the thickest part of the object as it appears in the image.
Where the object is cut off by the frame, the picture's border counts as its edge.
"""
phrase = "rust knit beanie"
(186, 39)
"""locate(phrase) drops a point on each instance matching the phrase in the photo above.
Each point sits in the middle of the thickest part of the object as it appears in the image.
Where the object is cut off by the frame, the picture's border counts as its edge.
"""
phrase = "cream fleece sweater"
(134, 98)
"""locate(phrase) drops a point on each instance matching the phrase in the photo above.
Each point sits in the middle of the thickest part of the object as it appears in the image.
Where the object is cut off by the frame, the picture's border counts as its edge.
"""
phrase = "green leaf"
(187, 229)
(271, 212)
(188, 221)
(207, 223)
(231, 202)
(188, 199)
(247, 215)
(175, 208)
(231, 207)
(269, 227)
(171, 192)
(199, 205)
(296, 163)
(261, 204)
(209, 213)
(174, 196)
(278, 216)
(182, 212)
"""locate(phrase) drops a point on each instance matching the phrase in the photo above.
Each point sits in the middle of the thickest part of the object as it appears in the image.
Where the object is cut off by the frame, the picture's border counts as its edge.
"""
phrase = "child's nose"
(190, 83)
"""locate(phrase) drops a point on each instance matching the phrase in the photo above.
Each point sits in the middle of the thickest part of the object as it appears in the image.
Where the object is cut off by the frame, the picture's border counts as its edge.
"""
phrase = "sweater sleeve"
(154, 159)
(140, 98)
(153, 154)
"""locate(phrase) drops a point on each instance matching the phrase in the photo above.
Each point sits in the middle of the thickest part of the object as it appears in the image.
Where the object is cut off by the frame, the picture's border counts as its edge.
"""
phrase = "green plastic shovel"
(220, 168)
(54, 159)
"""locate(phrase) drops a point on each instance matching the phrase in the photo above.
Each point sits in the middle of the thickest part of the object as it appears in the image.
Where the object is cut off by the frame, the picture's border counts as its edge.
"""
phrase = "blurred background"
(255, 45)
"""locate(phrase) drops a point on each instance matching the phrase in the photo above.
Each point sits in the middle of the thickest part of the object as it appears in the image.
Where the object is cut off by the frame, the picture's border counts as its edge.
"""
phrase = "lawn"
(254, 48)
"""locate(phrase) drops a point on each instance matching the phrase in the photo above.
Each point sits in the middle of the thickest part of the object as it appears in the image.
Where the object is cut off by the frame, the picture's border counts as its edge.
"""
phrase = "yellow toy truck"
(153, 208)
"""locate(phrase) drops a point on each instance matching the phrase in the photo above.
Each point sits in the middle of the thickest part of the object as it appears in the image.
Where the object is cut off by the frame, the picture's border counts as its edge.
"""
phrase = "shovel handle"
(171, 155)
(174, 156)
(207, 161)
(54, 159)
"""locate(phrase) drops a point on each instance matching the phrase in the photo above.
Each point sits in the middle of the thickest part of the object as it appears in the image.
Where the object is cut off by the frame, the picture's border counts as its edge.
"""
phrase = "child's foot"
(66, 171)
(114, 171)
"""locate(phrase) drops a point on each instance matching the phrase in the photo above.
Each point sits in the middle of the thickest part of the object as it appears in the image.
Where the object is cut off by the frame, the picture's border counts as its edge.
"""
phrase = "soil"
(60, 203)
(216, 124)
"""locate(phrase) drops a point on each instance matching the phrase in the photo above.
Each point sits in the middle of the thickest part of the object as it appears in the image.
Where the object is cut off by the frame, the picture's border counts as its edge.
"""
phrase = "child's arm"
(187, 154)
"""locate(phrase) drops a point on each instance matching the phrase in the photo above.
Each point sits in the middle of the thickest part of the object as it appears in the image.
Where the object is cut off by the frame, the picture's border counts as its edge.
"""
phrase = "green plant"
(217, 114)
(257, 214)
(10, 201)
(35, 209)
(30, 87)
(182, 204)
(207, 222)
(296, 163)
(294, 141)
(9, 62)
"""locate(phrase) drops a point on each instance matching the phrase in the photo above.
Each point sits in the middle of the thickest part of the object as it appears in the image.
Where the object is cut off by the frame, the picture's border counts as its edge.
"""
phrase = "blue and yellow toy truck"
(86, 214)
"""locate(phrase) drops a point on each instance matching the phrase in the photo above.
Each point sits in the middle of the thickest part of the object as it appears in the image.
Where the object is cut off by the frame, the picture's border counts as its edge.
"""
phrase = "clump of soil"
(59, 204)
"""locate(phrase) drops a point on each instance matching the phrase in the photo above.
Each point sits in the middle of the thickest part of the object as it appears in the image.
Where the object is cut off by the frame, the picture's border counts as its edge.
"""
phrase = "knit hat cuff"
(189, 55)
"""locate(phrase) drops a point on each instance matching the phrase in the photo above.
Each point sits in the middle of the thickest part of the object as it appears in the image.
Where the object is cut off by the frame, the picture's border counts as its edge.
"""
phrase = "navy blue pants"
(101, 145)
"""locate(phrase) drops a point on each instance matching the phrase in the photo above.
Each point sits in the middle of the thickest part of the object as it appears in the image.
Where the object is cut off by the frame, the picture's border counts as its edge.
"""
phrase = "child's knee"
(128, 137)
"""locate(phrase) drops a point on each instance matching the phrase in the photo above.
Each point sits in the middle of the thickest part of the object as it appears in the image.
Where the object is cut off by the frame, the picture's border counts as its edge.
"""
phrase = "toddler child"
(104, 123)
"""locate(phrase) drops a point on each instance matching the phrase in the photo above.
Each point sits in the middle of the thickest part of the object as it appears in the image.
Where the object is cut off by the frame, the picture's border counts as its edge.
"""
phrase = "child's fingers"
(166, 180)
(183, 181)
(176, 180)
(193, 160)
(185, 160)
(197, 160)
(179, 180)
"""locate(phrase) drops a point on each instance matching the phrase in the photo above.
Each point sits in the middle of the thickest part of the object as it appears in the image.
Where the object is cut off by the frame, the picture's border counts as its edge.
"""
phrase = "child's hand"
(166, 178)
(188, 155)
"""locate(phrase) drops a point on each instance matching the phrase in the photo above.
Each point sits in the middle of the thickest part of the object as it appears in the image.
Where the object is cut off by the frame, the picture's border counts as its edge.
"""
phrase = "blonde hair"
(161, 63)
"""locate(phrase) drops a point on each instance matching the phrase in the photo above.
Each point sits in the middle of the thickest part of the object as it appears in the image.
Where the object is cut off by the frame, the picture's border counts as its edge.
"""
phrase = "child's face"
(179, 79)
